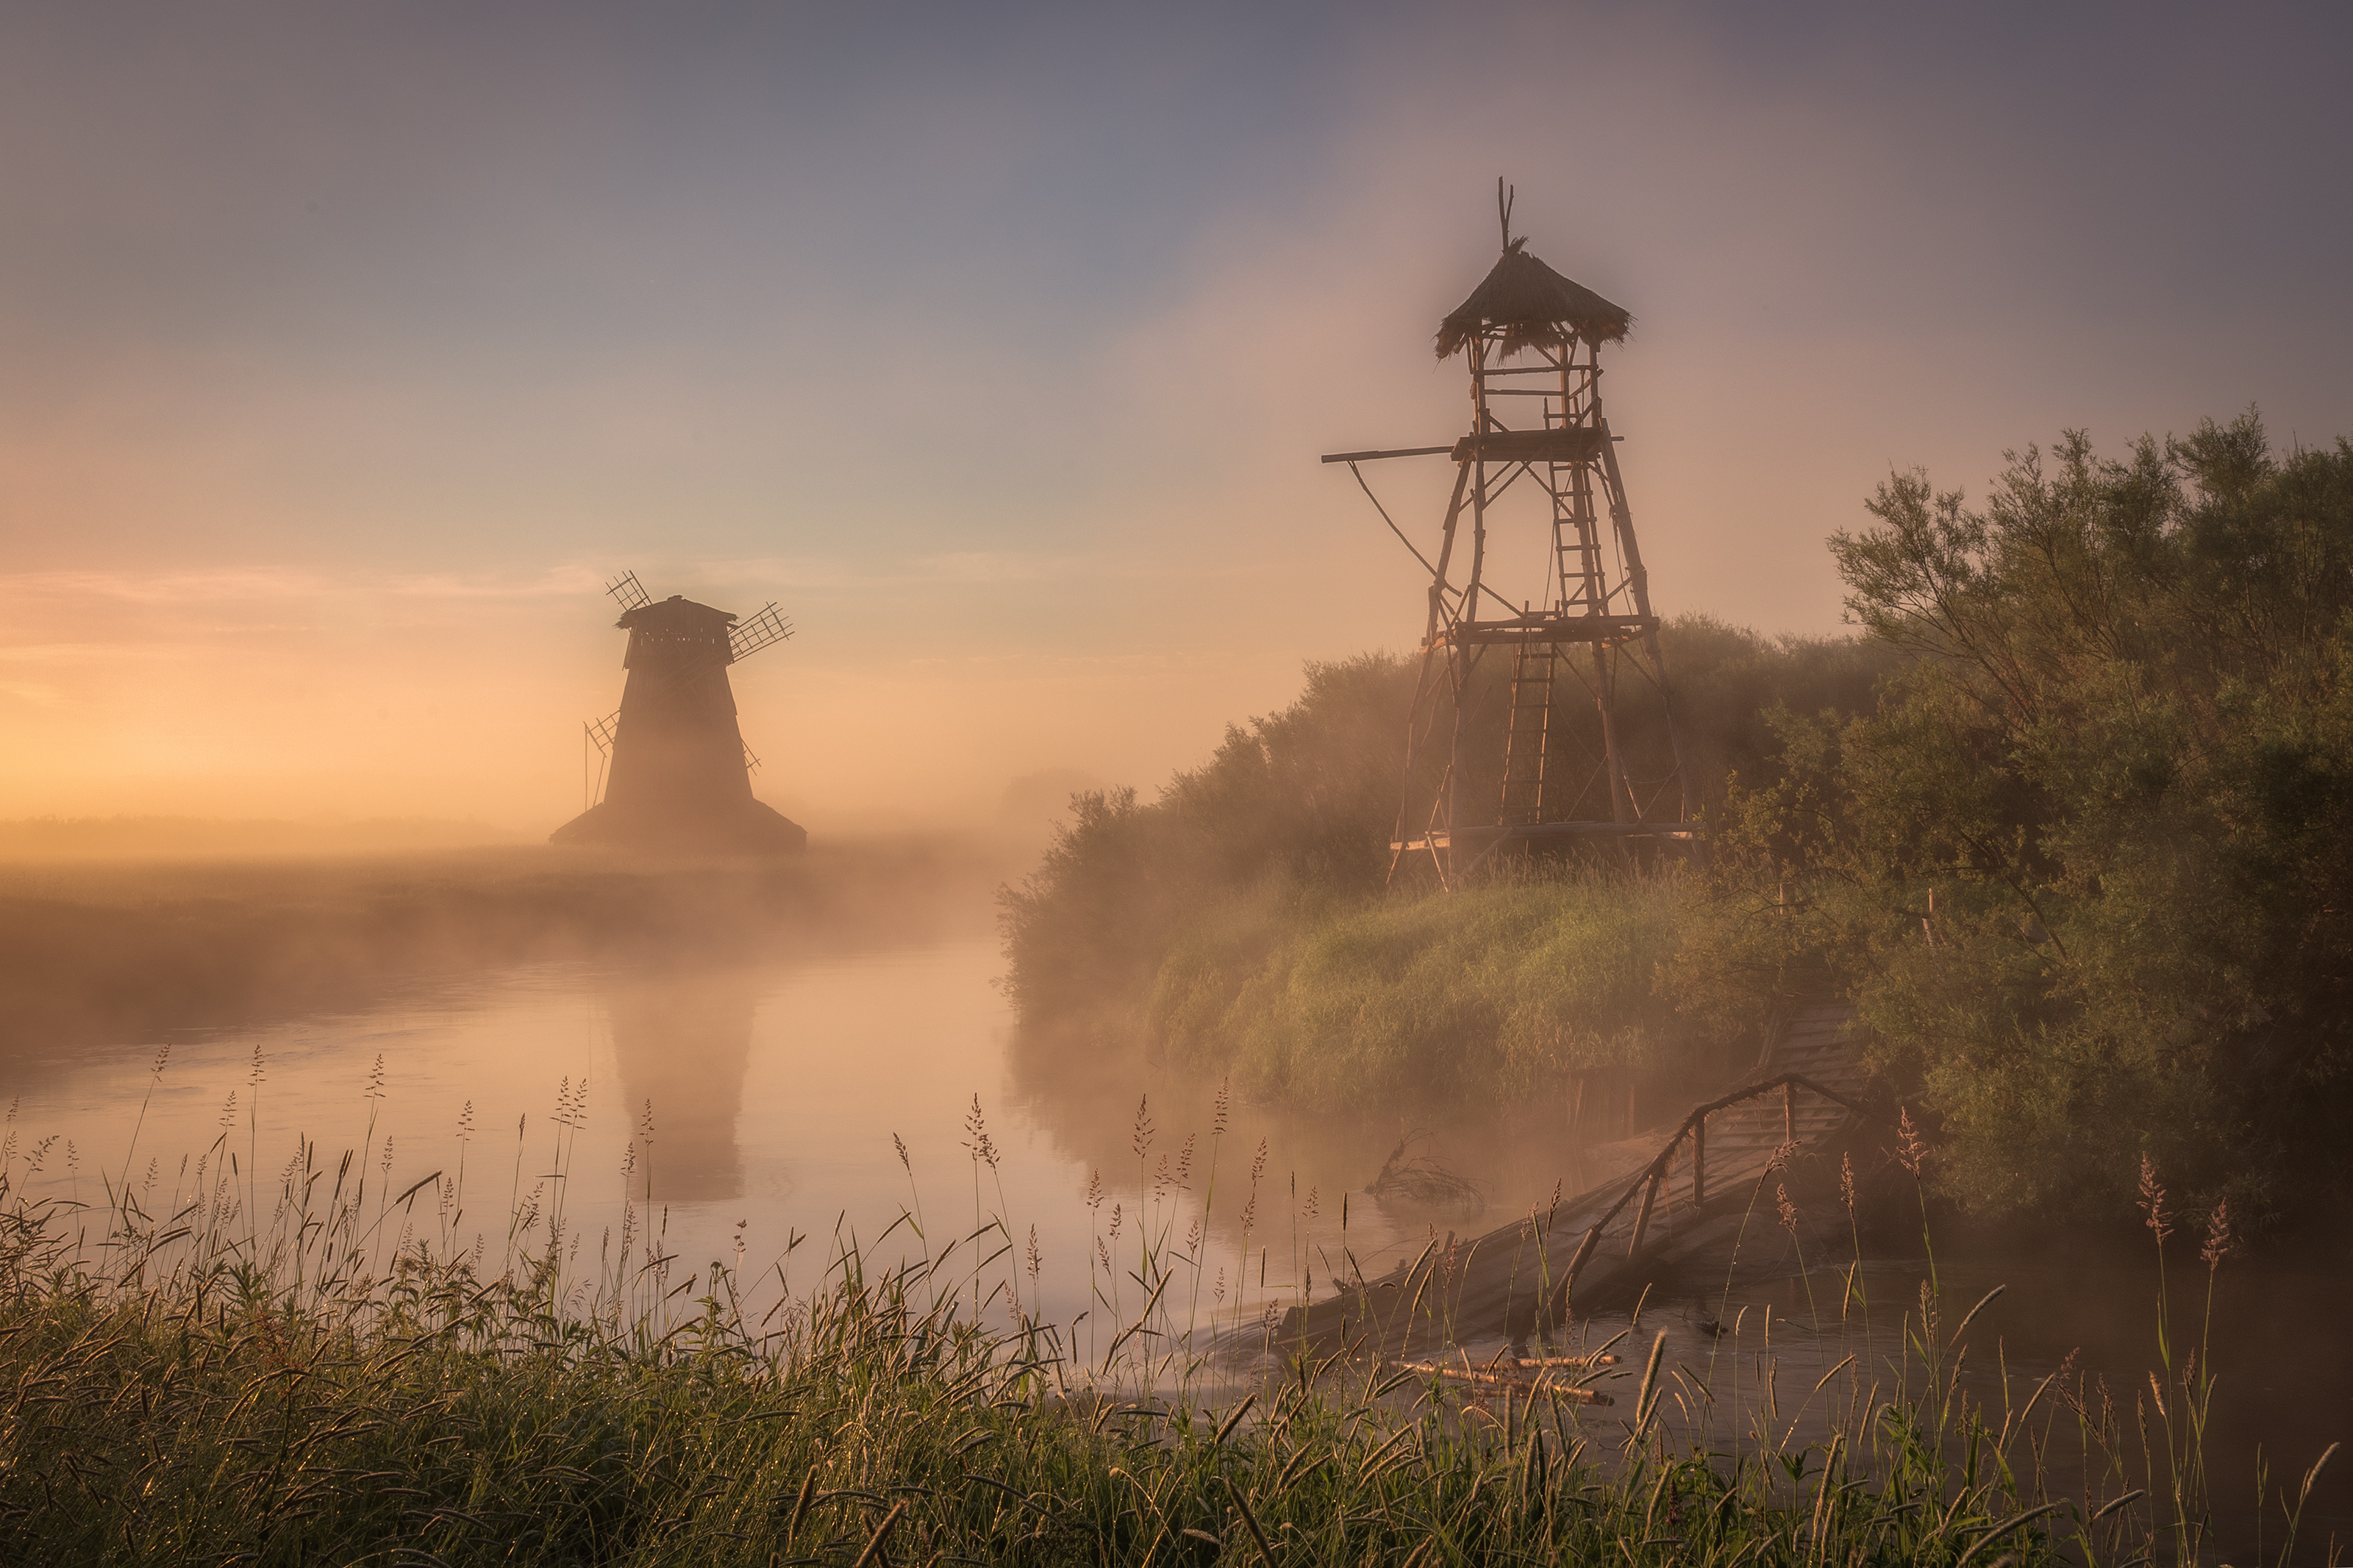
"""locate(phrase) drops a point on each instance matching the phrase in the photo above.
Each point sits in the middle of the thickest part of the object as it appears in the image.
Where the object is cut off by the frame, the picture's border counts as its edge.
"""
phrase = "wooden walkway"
(1691, 1196)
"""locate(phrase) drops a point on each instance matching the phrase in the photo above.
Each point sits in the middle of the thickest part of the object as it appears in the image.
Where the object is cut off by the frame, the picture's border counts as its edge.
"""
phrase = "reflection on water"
(1785, 1363)
(777, 1091)
(779, 1096)
(682, 1043)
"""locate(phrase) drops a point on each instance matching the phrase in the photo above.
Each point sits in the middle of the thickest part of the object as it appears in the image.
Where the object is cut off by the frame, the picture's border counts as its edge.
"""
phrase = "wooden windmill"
(670, 771)
(1538, 468)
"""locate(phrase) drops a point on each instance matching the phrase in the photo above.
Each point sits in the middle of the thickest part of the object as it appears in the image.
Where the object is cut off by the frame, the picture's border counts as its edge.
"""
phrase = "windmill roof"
(1535, 305)
(676, 614)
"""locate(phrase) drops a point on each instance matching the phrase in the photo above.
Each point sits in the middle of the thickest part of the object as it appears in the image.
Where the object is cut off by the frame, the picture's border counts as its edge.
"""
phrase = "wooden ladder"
(1526, 743)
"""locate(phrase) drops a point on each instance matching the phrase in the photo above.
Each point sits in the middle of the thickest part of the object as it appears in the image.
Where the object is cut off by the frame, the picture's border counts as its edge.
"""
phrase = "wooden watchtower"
(1551, 577)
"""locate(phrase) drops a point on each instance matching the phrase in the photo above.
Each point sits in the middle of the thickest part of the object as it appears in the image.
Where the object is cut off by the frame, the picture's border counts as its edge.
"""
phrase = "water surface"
(780, 1094)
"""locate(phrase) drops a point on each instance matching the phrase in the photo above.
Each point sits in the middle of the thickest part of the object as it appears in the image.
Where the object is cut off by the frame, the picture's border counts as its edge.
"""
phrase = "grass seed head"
(1912, 1151)
(977, 1138)
(2219, 1239)
(2151, 1202)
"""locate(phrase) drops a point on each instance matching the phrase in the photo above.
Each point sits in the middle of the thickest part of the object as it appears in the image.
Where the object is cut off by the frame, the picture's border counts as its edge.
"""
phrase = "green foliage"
(1303, 796)
(1498, 990)
(2118, 766)
(1150, 921)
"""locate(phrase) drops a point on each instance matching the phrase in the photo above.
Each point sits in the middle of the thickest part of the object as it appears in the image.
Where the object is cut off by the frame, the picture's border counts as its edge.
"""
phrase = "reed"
(339, 1379)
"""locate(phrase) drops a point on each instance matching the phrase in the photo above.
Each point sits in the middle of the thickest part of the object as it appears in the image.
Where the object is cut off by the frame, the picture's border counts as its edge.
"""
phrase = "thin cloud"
(266, 585)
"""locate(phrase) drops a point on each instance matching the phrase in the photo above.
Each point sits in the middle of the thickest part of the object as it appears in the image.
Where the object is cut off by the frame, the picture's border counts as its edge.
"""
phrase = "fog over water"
(775, 1091)
(783, 1082)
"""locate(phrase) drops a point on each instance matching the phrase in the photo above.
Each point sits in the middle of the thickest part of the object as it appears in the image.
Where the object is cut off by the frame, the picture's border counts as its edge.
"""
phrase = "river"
(835, 1093)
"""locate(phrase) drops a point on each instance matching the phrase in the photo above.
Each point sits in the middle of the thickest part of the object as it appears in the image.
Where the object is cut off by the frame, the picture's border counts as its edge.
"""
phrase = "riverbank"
(1504, 992)
(130, 951)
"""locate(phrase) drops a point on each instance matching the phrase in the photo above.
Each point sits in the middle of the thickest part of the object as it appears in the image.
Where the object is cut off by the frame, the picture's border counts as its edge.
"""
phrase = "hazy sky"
(346, 349)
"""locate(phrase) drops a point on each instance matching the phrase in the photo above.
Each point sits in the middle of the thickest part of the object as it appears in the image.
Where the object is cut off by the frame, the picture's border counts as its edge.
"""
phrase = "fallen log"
(1539, 1383)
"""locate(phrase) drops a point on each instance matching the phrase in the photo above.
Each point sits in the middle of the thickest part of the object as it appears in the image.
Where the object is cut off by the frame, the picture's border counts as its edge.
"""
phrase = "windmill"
(1537, 471)
(668, 769)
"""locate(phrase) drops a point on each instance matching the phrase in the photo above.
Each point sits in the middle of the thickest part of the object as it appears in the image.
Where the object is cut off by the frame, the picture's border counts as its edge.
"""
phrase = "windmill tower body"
(1547, 575)
(680, 775)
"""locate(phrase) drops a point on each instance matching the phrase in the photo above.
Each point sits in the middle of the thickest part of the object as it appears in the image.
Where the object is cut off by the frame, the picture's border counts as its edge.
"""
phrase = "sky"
(347, 350)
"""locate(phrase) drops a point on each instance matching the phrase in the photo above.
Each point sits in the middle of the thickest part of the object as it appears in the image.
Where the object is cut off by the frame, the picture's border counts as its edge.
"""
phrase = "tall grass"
(319, 1366)
(1501, 989)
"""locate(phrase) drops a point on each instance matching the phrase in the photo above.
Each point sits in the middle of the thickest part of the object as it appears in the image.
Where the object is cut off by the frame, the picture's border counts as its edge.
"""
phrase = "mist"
(1163, 1011)
(306, 504)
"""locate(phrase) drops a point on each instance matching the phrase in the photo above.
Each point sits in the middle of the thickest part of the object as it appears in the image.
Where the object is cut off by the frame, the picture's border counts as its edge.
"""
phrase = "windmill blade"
(757, 631)
(627, 592)
(595, 757)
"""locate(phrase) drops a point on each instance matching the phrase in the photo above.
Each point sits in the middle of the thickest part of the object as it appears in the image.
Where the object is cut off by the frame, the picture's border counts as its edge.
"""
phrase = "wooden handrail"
(1694, 1125)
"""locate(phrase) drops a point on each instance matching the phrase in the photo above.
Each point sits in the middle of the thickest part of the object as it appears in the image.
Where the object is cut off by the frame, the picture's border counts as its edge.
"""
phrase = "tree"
(2083, 870)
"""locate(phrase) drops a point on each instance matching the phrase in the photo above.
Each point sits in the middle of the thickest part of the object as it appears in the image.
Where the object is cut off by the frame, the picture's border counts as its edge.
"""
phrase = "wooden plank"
(1679, 831)
(1608, 629)
(1578, 444)
(1391, 452)
(1539, 1383)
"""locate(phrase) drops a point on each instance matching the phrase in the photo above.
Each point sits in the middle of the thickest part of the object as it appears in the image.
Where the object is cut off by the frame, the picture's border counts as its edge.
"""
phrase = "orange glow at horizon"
(342, 357)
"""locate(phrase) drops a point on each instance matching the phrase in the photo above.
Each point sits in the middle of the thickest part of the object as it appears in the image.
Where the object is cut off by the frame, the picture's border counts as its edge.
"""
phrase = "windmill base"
(747, 829)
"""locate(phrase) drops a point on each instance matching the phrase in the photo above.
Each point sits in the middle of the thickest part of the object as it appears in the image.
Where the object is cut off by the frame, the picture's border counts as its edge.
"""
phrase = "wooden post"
(1556, 1310)
(1643, 1219)
(1576, 1108)
(1699, 1163)
(1789, 1113)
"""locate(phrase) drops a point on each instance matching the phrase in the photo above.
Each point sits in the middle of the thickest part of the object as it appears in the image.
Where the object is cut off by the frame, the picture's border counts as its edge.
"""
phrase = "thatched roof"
(1535, 306)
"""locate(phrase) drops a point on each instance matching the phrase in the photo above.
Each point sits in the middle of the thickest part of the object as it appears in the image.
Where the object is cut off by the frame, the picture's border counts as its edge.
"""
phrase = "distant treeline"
(2065, 820)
